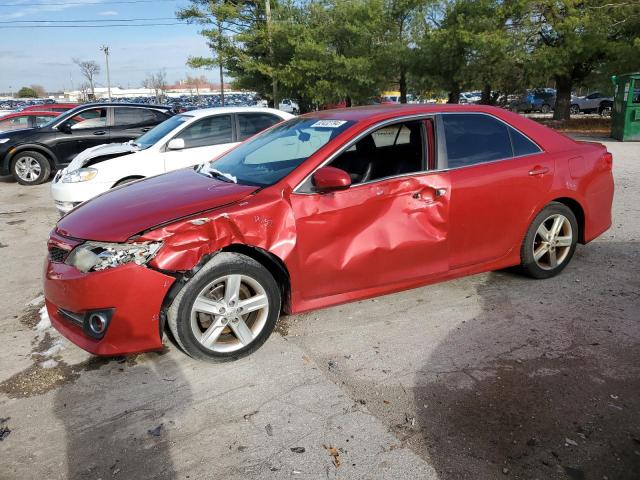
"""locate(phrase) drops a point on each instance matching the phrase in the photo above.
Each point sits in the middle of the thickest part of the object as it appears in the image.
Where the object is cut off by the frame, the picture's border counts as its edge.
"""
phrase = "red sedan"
(30, 119)
(326, 208)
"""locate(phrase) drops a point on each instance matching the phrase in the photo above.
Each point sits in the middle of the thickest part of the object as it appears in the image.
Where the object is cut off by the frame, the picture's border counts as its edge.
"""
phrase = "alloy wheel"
(229, 313)
(28, 169)
(552, 242)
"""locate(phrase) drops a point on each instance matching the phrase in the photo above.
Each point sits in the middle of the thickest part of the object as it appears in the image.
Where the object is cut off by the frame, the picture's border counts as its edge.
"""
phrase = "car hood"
(107, 149)
(20, 133)
(119, 214)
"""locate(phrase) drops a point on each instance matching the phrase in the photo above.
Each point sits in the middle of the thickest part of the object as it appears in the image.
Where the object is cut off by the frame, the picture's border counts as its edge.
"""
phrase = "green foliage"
(325, 51)
(27, 92)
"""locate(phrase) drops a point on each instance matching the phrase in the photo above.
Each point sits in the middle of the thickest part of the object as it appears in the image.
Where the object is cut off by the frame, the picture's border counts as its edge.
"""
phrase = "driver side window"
(391, 150)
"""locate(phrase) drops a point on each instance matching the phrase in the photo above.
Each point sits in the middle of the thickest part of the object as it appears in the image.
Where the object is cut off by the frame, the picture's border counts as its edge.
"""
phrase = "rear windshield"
(270, 156)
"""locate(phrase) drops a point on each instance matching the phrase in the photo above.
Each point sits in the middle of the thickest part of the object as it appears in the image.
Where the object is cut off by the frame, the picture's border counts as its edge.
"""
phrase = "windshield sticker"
(328, 123)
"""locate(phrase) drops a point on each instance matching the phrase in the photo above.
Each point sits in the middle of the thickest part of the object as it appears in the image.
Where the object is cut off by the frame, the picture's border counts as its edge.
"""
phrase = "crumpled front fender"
(267, 224)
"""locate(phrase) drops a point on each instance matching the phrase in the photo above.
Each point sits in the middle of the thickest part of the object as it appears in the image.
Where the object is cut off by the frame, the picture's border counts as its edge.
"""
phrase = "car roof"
(30, 113)
(116, 104)
(205, 112)
(390, 111)
(547, 138)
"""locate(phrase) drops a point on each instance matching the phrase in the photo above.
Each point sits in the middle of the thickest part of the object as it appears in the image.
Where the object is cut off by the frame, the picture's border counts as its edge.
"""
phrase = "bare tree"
(157, 82)
(85, 90)
(89, 70)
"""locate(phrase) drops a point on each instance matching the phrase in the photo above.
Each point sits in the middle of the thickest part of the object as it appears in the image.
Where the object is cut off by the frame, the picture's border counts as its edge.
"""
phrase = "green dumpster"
(625, 118)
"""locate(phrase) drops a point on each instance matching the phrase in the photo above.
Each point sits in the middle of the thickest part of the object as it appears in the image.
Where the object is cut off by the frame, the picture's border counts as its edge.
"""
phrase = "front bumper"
(133, 293)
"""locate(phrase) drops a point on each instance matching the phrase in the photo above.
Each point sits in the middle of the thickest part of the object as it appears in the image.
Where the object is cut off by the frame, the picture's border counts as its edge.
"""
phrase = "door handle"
(100, 132)
(146, 129)
(538, 171)
(437, 192)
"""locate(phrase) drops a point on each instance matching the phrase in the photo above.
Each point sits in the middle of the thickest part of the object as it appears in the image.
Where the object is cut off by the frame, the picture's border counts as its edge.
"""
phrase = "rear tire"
(550, 242)
(30, 168)
(574, 110)
(238, 305)
(546, 108)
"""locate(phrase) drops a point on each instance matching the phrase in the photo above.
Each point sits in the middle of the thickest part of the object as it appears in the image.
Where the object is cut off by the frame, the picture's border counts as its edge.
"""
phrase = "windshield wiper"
(225, 177)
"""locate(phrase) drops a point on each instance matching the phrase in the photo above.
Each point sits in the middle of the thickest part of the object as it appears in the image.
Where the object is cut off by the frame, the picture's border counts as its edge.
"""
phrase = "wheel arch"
(128, 177)
(578, 211)
(47, 152)
(272, 263)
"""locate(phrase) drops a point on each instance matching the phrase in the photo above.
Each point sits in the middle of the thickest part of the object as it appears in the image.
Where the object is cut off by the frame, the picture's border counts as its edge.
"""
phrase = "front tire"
(574, 110)
(227, 310)
(550, 242)
(30, 168)
(546, 108)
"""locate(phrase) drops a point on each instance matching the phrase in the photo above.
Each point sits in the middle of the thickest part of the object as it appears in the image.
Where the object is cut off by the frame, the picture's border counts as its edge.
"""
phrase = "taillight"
(607, 158)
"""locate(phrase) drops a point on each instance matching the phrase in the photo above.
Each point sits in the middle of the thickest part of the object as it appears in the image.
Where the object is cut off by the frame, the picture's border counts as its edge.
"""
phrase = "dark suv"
(31, 155)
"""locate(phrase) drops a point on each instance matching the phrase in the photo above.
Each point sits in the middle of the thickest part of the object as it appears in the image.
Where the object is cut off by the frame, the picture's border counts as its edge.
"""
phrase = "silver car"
(595, 102)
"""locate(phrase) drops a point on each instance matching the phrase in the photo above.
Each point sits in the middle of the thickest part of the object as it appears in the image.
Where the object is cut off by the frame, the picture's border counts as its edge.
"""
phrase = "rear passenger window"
(475, 138)
(209, 131)
(252, 123)
(521, 144)
(132, 116)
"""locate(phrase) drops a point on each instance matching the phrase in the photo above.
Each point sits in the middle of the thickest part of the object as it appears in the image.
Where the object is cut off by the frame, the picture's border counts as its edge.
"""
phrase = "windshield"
(272, 155)
(154, 135)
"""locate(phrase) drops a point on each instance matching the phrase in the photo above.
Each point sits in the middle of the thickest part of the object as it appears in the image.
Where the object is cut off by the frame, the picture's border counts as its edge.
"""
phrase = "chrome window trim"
(442, 158)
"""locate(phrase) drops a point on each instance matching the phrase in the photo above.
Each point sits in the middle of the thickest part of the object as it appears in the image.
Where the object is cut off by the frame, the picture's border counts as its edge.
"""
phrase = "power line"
(118, 2)
(94, 26)
(99, 20)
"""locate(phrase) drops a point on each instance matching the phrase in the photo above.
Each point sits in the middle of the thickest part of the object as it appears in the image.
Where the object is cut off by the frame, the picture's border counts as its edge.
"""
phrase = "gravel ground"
(490, 376)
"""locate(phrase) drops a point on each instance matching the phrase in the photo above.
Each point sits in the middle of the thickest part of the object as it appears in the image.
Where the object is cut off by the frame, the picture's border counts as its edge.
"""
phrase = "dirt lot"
(491, 376)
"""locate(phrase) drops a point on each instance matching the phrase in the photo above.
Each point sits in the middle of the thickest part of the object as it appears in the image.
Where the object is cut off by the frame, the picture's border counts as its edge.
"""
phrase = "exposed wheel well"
(578, 211)
(126, 179)
(271, 262)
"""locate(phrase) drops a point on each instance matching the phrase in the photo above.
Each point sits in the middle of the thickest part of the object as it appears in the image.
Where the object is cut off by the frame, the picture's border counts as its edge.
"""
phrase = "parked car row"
(321, 209)
(183, 140)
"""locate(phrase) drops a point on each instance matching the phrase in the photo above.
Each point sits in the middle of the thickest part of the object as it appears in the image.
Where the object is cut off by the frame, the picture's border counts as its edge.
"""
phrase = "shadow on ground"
(548, 382)
(119, 420)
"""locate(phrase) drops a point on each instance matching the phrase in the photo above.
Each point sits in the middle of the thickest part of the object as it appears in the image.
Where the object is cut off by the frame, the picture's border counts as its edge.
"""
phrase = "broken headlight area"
(95, 256)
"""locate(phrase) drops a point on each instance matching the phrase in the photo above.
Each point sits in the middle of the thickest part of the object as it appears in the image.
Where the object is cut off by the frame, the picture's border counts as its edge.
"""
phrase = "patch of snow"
(36, 301)
(54, 349)
(45, 321)
(51, 363)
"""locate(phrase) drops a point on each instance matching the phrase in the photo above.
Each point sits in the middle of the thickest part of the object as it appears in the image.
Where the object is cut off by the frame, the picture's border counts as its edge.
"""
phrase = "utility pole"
(220, 62)
(267, 8)
(105, 49)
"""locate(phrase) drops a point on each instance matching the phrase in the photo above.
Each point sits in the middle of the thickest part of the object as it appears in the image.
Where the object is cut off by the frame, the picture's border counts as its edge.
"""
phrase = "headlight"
(4, 140)
(79, 175)
(94, 256)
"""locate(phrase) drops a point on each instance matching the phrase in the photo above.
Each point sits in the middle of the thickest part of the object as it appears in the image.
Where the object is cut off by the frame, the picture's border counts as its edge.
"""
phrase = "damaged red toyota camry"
(326, 208)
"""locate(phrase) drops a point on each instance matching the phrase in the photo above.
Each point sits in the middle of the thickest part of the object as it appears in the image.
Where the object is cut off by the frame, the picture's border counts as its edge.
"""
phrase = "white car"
(181, 141)
(289, 106)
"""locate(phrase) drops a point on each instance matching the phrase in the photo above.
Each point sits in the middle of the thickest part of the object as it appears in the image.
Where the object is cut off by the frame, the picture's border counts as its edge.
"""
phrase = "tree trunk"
(485, 99)
(563, 98)
(347, 102)
(454, 94)
(403, 84)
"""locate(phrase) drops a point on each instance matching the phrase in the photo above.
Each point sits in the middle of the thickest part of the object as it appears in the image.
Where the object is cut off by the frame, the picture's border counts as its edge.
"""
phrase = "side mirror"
(328, 179)
(176, 144)
(65, 127)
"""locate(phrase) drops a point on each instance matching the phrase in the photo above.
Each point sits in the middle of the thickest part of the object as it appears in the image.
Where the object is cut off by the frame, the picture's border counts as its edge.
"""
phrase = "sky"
(44, 56)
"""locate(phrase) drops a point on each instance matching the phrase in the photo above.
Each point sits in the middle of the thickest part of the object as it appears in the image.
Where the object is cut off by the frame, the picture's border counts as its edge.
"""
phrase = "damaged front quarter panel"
(267, 223)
